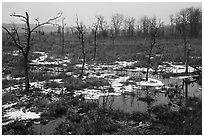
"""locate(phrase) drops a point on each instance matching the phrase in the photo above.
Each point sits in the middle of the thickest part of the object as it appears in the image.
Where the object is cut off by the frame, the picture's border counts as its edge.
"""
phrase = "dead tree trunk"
(186, 53)
(149, 59)
(63, 45)
(95, 29)
(154, 28)
(84, 55)
(63, 36)
(26, 65)
(80, 28)
(113, 41)
(95, 44)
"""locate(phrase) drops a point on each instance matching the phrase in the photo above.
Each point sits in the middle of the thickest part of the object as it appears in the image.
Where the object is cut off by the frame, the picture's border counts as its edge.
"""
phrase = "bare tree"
(112, 32)
(171, 24)
(194, 20)
(95, 29)
(61, 30)
(102, 25)
(145, 25)
(16, 40)
(182, 23)
(117, 20)
(63, 26)
(129, 26)
(81, 30)
(153, 34)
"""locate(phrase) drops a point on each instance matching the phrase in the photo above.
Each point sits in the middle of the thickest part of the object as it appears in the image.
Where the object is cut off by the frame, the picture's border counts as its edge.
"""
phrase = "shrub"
(8, 97)
(16, 128)
(51, 84)
(188, 120)
(139, 116)
(57, 109)
(38, 76)
(18, 73)
(7, 83)
(95, 82)
(136, 78)
(72, 83)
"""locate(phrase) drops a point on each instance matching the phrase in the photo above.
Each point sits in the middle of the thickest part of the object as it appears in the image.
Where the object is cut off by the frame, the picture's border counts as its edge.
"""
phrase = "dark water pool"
(132, 103)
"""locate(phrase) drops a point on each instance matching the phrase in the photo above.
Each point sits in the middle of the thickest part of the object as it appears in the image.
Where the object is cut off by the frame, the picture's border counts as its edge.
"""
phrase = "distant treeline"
(122, 26)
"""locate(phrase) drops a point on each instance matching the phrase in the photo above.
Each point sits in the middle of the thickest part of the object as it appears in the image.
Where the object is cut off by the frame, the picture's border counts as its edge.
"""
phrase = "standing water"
(133, 103)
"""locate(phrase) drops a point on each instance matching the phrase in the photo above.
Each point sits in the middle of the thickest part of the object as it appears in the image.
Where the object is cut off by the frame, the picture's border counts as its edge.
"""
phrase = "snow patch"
(8, 105)
(150, 83)
(20, 114)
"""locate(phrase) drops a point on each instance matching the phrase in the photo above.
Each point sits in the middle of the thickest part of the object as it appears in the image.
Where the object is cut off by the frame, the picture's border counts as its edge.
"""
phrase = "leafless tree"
(95, 30)
(112, 32)
(61, 30)
(182, 20)
(171, 24)
(102, 28)
(16, 39)
(145, 25)
(129, 26)
(81, 30)
(153, 34)
(194, 17)
(117, 20)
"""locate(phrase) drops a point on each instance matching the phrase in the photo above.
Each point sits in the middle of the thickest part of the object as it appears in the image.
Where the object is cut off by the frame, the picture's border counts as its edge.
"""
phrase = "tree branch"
(18, 38)
(18, 15)
(14, 40)
(47, 22)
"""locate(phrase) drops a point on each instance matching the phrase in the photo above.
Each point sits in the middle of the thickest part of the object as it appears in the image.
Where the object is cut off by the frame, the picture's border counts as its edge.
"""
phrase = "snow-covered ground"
(15, 114)
(117, 83)
(20, 115)
(104, 71)
(126, 63)
(151, 83)
(42, 60)
(175, 68)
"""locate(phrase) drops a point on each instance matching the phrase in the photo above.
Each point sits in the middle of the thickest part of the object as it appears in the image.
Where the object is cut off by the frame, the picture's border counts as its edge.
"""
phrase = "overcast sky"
(86, 11)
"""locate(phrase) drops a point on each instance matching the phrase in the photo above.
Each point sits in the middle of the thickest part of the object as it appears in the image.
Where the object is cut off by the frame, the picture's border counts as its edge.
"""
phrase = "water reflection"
(132, 103)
